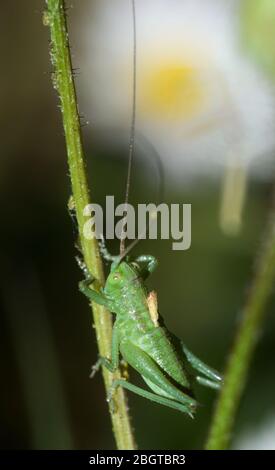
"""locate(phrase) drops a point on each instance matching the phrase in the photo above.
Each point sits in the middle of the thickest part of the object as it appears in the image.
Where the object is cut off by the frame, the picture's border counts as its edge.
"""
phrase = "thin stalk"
(247, 335)
(55, 18)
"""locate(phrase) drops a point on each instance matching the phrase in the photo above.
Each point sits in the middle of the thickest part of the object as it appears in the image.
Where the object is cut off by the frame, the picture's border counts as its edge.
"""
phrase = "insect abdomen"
(158, 346)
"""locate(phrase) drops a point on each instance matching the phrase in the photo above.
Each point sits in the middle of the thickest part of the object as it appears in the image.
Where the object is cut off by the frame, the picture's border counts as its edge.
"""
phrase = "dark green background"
(47, 339)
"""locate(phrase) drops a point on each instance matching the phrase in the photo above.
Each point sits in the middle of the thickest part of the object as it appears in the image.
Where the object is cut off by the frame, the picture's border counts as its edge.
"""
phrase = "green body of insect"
(139, 335)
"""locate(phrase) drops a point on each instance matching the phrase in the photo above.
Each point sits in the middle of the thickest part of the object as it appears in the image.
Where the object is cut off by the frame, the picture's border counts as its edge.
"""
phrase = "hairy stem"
(55, 18)
(244, 345)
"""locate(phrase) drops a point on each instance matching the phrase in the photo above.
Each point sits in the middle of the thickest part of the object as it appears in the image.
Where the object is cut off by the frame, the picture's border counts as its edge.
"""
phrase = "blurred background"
(206, 103)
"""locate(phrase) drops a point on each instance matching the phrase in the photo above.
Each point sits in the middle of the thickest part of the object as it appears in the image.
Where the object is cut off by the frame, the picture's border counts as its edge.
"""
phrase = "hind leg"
(156, 378)
(150, 396)
(210, 377)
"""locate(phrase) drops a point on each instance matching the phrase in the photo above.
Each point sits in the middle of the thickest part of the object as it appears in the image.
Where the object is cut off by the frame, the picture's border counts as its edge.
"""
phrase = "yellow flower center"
(171, 91)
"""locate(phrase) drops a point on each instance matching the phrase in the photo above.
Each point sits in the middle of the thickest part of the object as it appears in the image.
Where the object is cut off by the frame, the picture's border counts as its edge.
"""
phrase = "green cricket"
(140, 336)
(169, 369)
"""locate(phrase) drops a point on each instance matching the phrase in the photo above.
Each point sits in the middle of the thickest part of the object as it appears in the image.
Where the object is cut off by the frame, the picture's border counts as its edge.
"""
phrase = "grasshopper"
(139, 334)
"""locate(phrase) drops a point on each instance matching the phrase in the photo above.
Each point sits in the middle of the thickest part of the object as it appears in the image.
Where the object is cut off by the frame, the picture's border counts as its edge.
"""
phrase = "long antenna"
(132, 129)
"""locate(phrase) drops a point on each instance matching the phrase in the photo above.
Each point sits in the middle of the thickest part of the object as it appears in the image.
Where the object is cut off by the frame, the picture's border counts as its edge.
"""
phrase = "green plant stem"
(244, 345)
(55, 18)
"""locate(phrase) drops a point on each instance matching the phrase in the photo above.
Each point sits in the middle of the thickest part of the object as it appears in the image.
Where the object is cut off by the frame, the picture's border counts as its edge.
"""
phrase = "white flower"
(201, 101)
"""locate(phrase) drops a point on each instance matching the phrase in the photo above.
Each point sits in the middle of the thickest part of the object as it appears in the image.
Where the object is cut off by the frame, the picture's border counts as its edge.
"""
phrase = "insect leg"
(149, 263)
(112, 364)
(150, 370)
(211, 374)
(208, 383)
(150, 396)
(93, 295)
(104, 251)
